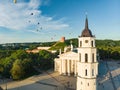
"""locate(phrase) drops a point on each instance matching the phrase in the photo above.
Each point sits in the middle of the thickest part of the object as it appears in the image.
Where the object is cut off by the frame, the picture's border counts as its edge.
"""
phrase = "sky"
(49, 20)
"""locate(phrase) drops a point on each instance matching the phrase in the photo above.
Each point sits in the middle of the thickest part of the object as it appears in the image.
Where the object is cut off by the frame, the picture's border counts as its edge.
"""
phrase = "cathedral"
(82, 63)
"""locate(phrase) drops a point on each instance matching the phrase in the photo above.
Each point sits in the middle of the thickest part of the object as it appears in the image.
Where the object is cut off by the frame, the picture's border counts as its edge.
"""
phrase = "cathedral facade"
(83, 64)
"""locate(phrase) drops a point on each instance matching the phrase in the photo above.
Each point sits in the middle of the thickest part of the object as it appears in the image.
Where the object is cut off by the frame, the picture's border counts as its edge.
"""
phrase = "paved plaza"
(46, 81)
(109, 78)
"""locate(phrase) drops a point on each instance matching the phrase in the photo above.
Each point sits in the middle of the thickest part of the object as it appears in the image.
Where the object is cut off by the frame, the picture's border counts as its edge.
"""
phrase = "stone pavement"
(51, 80)
(46, 81)
(114, 68)
(111, 80)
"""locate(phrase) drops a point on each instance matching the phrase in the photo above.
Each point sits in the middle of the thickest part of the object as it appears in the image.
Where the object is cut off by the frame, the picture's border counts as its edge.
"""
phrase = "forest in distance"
(17, 64)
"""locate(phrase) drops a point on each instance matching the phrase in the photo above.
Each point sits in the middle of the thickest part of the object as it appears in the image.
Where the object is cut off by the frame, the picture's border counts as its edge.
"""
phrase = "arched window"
(86, 72)
(93, 57)
(86, 57)
(92, 72)
(91, 43)
(80, 43)
(80, 57)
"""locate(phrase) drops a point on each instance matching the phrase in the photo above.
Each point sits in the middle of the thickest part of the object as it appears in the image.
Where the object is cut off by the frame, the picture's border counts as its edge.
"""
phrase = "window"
(92, 72)
(80, 43)
(88, 84)
(86, 72)
(86, 57)
(86, 41)
(80, 57)
(91, 43)
(93, 57)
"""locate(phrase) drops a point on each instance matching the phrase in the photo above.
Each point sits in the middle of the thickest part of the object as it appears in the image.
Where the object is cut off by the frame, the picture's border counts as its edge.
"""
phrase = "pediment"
(69, 55)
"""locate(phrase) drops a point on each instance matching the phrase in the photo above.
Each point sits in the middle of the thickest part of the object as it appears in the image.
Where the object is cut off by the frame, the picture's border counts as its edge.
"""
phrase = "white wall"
(86, 84)
(84, 44)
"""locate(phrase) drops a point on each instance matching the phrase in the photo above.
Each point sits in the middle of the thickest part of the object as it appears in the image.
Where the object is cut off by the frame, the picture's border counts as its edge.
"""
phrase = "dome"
(86, 33)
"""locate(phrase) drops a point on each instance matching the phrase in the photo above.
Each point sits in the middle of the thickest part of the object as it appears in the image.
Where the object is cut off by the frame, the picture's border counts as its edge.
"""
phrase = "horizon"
(49, 20)
(49, 41)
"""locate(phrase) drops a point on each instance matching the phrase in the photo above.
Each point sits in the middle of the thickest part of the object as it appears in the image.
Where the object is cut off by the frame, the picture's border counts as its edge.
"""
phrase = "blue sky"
(49, 20)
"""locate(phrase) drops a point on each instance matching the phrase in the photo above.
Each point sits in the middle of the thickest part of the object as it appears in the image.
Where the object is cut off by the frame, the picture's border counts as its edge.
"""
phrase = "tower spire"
(86, 32)
(86, 23)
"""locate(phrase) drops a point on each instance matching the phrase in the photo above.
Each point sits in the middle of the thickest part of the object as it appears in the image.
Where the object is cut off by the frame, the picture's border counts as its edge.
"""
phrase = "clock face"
(86, 41)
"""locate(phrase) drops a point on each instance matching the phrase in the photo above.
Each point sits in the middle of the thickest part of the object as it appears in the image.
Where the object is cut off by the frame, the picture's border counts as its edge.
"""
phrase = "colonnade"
(68, 67)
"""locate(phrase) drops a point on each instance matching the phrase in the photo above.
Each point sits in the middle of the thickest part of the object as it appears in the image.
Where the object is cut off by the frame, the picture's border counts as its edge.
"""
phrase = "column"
(75, 66)
(72, 66)
(60, 68)
(65, 67)
(68, 66)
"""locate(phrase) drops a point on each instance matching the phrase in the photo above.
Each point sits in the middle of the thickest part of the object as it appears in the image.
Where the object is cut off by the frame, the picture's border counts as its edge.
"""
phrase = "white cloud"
(18, 16)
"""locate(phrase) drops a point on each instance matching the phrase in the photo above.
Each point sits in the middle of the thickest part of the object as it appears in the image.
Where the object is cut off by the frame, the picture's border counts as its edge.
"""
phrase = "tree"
(115, 55)
(19, 54)
(45, 59)
(28, 67)
(17, 70)
(1, 68)
(6, 64)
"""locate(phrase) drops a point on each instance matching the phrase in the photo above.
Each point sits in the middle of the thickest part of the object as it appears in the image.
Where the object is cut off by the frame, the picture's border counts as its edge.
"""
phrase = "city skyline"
(48, 20)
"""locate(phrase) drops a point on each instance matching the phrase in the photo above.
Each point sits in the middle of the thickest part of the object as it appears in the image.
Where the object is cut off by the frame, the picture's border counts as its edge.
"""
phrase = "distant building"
(32, 51)
(43, 48)
(62, 39)
(81, 63)
(37, 50)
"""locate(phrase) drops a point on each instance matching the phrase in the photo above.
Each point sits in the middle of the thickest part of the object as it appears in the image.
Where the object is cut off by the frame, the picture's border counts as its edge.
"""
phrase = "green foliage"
(17, 70)
(58, 45)
(61, 45)
(1, 68)
(107, 43)
(108, 49)
(19, 54)
(22, 69)
(115, 55)
(21, 64)
(74, 42)
(47, 44)
(6, 64)
(45, 59)
(31, 47)
(5, 53)
(28, 67)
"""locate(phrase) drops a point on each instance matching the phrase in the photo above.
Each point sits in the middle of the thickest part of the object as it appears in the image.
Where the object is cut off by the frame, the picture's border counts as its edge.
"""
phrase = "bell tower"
(88, 64)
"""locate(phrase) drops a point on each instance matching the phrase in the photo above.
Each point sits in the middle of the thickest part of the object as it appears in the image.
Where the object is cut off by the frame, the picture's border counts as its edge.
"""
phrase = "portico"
(66, 64)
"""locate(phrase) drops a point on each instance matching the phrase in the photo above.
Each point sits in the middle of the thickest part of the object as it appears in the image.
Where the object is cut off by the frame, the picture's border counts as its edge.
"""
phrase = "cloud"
(27, 16)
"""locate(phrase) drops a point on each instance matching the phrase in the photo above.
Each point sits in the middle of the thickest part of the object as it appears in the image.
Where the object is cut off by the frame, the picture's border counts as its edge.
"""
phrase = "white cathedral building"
(83, 64)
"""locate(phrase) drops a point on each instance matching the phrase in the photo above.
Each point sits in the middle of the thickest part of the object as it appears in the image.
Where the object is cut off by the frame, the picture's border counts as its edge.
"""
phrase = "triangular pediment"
(69, 55)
